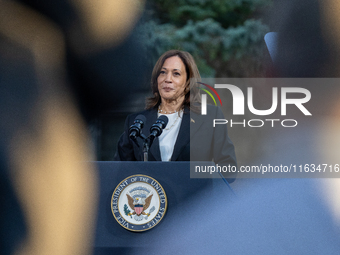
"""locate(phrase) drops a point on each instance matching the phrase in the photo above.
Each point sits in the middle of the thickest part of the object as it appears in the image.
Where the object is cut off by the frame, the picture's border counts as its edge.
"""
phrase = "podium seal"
(138, 203)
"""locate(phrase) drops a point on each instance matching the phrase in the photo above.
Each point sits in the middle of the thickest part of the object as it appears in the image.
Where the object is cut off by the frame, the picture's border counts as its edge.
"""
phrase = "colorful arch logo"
(204, 97)
(213, 90)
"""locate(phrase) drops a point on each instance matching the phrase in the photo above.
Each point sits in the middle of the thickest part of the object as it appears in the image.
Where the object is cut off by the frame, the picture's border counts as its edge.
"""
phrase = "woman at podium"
(188, 135)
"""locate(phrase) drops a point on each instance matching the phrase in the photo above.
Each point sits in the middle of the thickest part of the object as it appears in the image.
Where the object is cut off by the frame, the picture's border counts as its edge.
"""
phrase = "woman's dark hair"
(191, 90)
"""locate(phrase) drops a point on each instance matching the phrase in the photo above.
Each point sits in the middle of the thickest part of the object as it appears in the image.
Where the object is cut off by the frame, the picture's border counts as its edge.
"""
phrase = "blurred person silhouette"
(284, 216)
(62, 63)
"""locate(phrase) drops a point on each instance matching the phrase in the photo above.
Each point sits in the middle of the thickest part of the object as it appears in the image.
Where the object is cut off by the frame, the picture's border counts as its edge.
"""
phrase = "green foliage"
(126, 210)
(222, 35)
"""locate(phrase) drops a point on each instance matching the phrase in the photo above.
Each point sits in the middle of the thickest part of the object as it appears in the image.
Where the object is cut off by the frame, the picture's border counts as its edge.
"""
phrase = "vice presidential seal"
(138, 203)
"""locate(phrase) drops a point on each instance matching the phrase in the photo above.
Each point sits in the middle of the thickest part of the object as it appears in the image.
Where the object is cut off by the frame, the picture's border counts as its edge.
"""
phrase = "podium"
(185, 195)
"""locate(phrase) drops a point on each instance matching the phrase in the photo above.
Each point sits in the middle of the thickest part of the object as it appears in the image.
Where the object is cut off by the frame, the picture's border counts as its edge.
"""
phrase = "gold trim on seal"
(138, 181)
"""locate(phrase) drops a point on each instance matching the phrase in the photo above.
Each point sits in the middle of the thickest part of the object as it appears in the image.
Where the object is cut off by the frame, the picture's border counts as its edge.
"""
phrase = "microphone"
(136, 128)
(157, 128)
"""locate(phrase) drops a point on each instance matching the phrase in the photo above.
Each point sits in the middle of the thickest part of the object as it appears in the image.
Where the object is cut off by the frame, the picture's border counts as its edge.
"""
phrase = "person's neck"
(171, 106)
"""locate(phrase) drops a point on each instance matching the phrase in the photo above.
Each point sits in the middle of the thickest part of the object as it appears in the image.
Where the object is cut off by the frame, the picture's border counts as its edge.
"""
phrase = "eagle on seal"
(139, 205)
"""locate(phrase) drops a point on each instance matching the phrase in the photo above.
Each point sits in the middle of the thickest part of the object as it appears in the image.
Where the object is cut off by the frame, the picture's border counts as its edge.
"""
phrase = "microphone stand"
(146, 147)
(156, 130)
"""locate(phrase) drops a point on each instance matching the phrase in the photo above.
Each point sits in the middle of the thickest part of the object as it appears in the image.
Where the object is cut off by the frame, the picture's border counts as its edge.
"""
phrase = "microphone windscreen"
(164, 118)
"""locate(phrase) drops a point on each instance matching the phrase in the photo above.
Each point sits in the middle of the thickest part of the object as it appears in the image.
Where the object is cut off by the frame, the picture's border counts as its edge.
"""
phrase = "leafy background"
(224, 36)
